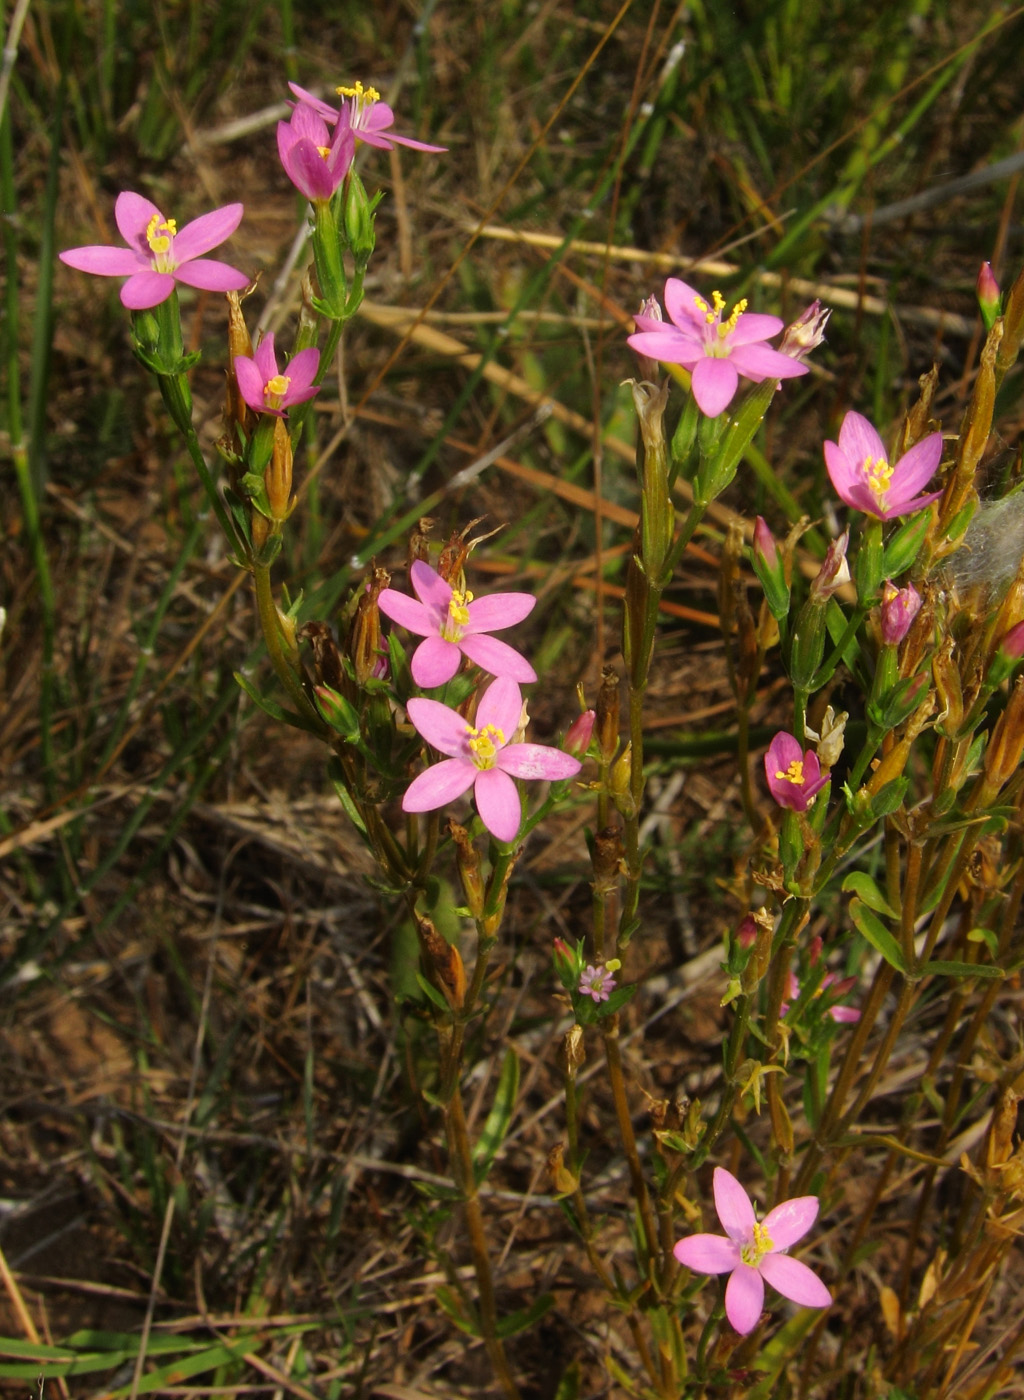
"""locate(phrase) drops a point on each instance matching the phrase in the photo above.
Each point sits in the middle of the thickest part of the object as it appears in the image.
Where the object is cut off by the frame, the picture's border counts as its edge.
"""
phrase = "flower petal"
(324, 109)
(210, 275)
(501, 705)
(760, 361)
(842, 473)
(733, 1206)
(859, 440)
(407, 612)
(916, 467)
(498, 658)
(714, 384)
(438, 785)
(132, 214)
(751, 326)
(667, 345)
(434, 662)
(206, 232)
(434, 592)
(790, 1221)
(250, 383)
(302, 370)
(102, 260)
(497, 801)
(265, 357)
(795, 1281)
(442, 728)
(744, 1298)
(498, 611)
(708, 1254)
(146, 289)
(537, 761)
(681, 304)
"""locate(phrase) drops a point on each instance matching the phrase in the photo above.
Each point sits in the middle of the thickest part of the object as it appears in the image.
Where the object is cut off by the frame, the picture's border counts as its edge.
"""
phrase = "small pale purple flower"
(834, 571)
(158, 255)
(807, 332)
(267, 391)
(367, 116)
(899, 608)
(794, 777)
(455, 624)
(480, 756)
(597, 982)
(753, 1252)
(716, 351)
(862, 476)
(314, 160)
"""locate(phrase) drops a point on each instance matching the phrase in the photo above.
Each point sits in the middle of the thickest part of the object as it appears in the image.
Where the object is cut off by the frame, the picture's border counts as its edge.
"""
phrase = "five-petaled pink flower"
(454, 625)
(267, 391)
(794, 776)
(366, 115)
(716, 351)
(158, 255)
(862, 476)
(597, 982)
(752, 1252)
(315, 161)
(480, 756)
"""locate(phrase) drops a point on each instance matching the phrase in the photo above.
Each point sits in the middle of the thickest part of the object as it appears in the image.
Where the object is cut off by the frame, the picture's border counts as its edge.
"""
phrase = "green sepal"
(904, 546)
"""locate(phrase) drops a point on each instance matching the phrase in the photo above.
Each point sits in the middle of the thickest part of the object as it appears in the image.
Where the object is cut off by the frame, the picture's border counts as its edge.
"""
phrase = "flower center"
(275, 389)
(484, 744)
(759, 1246)
(160, 237)
(879, 476)
(458, 616)
(794, 773)
(722, 330)
(361, 98)
(323, 151)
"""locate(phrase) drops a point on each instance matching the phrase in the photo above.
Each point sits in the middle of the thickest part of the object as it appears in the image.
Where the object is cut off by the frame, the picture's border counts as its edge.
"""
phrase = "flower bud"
(806, 333)
(579, 734)
(899, 608)
(363, 644)
(358, 221)
(834, 572)
(649, 318)
(442, 962)
(770, 568)
(829, 744)
(237, 413)
(568, 963)
(990, 298)
(467, 858)
(278, 478)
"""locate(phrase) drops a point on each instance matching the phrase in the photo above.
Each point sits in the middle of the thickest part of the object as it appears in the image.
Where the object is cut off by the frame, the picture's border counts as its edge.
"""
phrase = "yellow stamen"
(276, 388)
(879, 476)
(727, 327)
(794, 773)
(759, 1246)
(323, 151)
(458, 615)
(713, 313)
(159, 234)
(484, 744)
(362, 95)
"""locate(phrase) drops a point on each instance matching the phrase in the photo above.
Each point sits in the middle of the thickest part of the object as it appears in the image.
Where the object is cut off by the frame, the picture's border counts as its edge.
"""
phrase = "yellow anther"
(735, 315)
(323, 151)
(879, 476)
(276, 388)
(758, 1247)
(159, 233)
(794, 773)
(458, 608)
(484, 744)
(362, 95)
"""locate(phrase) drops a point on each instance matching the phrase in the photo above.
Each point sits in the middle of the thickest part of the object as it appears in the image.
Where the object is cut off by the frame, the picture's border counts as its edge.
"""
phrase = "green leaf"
(431, 991)
(962, 969)
(273, 709)
(525, 1317)
(986, 936)
(569, 1385)
(870, 926)
(486, 1147)
(860, 883)
(451, 1304)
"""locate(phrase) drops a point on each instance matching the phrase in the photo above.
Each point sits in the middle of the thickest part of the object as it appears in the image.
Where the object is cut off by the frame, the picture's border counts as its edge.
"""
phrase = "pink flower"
(899, 608)
(863, 478)
(315, 161)
(266, 391)
(158, 255)
(597, 982)
(367, 116)
(454, 625)
(717, 351)
(753, 1252)
(481, 757)
(579, 734)
(794, 778)
(839, 987)
(807, 332)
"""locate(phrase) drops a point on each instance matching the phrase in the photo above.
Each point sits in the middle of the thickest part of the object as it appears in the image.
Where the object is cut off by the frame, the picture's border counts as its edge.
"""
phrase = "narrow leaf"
(871, 927)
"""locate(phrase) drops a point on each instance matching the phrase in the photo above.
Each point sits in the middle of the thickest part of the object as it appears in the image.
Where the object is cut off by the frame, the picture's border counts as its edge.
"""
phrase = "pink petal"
(497, 801)
(752, 326)
(790, 1221)
(795, 1281)
(265, 359)
(916, 467)
(667, 345)
(681, 304)
(302, 370)
(537, 761)
(708, 1254)
(209, 275)
(714, 384)
(842, 473)
(859, 440)
(501, 705)
(104, 261)
(207, 232)
(146, 289)
(499, 610)
(442, 728)
(250, 383)
(323, 109)
(407, 612)
(307, 124)
(744, 1298)
(760, 361)
(845, 1015)
(439, 785)
(898, 508)
(733, 1206)
(307, 170)
(434, 662)
(434, 592)
(415, 145)
(132, 214)
(498, 658)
